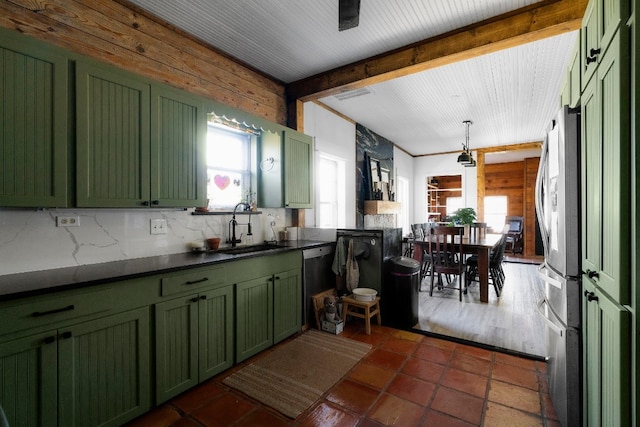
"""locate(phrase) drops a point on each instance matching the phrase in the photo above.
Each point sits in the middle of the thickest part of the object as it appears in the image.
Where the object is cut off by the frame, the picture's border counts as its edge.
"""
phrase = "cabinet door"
(104, 375)
(298, 169)
(591, 166)
(606, 353)
(602, 19)
(176, 346)
(215, 331)
(270, 185)
(254, 317)
(287, 300)
(178, 162)
(28, 380)
(613, 94)
(34, 97)
(112, 137)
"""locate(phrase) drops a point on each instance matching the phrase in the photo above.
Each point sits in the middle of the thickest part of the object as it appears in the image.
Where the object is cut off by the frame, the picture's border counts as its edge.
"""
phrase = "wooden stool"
(371, 308)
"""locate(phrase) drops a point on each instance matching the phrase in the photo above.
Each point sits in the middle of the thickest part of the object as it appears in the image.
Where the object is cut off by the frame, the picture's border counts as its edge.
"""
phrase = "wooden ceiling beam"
(537, 145)
(536, 22)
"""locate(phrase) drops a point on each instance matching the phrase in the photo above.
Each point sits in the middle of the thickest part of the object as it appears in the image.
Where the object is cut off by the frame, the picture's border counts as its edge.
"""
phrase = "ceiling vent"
(353, 93)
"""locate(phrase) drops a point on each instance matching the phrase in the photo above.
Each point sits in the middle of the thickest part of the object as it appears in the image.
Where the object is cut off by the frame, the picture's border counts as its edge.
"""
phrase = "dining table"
(480, 246)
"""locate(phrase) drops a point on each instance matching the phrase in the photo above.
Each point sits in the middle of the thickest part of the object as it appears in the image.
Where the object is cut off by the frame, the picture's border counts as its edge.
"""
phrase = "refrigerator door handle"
(540, 205)
(542, 273)
(555, 328)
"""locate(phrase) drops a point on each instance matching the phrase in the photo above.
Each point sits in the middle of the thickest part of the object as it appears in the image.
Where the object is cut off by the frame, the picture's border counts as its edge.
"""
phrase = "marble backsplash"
(30, 240)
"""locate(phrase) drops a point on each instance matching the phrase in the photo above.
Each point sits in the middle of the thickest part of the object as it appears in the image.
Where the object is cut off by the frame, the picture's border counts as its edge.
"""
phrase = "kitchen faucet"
(233, 223)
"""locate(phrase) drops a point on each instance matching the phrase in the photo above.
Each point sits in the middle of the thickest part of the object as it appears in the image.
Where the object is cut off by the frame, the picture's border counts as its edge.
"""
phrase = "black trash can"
(400, 293)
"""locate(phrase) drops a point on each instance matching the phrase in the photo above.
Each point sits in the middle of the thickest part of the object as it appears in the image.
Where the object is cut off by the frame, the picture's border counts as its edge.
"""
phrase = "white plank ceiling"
(511, 95)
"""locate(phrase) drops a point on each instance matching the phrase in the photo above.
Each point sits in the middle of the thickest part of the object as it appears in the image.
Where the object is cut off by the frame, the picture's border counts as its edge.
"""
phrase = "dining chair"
(446, 256)
(496, 272)
(514, 236)
(478, 230)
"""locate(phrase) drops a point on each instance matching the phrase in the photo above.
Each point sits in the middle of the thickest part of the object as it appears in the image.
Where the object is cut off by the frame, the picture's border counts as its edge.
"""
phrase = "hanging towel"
(339, 258)
(353, 270)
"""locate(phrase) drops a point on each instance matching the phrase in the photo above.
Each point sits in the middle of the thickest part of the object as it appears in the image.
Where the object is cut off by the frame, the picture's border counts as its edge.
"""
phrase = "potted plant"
(464, 217)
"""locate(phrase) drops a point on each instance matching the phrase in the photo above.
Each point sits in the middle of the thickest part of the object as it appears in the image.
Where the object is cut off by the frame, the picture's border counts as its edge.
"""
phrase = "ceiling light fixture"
(466, 158)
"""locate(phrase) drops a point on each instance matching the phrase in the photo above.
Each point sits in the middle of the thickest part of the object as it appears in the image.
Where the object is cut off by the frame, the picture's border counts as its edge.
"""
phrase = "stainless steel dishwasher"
(318, 277)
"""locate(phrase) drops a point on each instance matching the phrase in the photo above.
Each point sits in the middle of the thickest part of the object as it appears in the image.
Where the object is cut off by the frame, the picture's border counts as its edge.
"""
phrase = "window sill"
(226, 213)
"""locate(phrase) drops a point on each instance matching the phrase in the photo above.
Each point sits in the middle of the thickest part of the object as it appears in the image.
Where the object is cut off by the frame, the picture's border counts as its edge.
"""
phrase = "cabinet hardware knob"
(57, 310)
(66, 335)
(594, 52)
(155, 202)
(593, 274)
(193, 282)
(590, 296)
(194, 299)
(145, 203)
(591, 59)
(277, 277)
(203, 297)
(49, 340)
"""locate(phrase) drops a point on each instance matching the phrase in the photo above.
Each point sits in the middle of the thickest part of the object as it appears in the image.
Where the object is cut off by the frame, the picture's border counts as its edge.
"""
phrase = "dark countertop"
(39, 282)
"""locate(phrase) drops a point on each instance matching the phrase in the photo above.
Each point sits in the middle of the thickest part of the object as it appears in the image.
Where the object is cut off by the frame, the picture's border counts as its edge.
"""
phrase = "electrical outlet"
(158, 226)
(67, 221)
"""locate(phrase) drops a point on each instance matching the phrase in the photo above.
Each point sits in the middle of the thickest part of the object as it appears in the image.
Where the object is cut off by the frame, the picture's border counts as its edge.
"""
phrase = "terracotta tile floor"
(407, 379)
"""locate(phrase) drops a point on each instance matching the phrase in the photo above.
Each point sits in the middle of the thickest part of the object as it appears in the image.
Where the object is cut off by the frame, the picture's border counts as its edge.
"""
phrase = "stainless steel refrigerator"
(558, 210)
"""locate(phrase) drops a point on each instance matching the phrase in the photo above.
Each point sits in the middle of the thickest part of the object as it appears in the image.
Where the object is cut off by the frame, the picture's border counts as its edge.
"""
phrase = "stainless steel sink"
(248, 249)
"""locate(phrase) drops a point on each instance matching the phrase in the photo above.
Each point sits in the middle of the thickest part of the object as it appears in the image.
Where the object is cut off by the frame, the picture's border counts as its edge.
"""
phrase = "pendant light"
(466, 158)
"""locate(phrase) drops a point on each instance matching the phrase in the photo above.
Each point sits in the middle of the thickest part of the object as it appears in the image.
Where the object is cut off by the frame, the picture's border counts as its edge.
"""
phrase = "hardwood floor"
(510, 322)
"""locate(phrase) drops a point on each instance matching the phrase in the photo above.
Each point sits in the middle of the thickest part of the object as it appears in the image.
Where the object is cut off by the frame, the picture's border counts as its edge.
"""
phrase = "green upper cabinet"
(113, 146)
(287, 182)
(178, 135)
(574, 78)
(601, 20)
(34, 99)
(138, 144)
(298, 170)
(606, 192)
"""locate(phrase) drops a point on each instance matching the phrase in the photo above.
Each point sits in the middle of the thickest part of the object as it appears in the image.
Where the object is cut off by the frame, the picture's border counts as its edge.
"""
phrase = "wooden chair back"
(478, 230)
(446, 250)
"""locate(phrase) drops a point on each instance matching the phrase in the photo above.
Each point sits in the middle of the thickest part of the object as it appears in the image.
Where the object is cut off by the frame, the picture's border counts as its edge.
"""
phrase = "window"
(453, 204)
(330, 192)
(403, 197)
(228, 166)
(495, 211)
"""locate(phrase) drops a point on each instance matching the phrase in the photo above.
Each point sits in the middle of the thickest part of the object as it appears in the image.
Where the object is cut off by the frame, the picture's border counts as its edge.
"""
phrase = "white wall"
(336, 136)
(444, 164)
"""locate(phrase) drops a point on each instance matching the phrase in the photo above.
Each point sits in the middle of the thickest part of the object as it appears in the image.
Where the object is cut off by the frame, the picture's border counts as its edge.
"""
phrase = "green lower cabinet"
(29, 380)
(267, 311)
(215, 332)
(606, 359)
(194, 340)
(94, 373)
(104, 370)
(287, 297)
(254, 314)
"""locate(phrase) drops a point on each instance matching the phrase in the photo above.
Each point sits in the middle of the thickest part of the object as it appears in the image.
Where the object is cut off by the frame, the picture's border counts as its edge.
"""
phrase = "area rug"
(293, 376)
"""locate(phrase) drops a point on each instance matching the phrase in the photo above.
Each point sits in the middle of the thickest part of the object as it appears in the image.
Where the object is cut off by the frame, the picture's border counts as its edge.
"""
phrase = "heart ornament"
(222, 182)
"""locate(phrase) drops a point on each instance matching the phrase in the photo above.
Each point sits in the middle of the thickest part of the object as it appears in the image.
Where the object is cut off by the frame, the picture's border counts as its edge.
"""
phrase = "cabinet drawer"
(188, 281)
(40, 311)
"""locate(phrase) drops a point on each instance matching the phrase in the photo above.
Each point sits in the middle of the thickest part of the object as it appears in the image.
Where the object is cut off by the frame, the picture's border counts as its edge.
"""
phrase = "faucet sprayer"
(233, 223)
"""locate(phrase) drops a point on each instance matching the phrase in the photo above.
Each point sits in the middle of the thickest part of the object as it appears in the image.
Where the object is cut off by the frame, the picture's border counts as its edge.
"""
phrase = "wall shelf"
(380, 207)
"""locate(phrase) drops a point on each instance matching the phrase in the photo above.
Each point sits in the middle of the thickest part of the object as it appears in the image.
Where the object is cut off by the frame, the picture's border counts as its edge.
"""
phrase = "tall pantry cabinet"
(605, 50)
